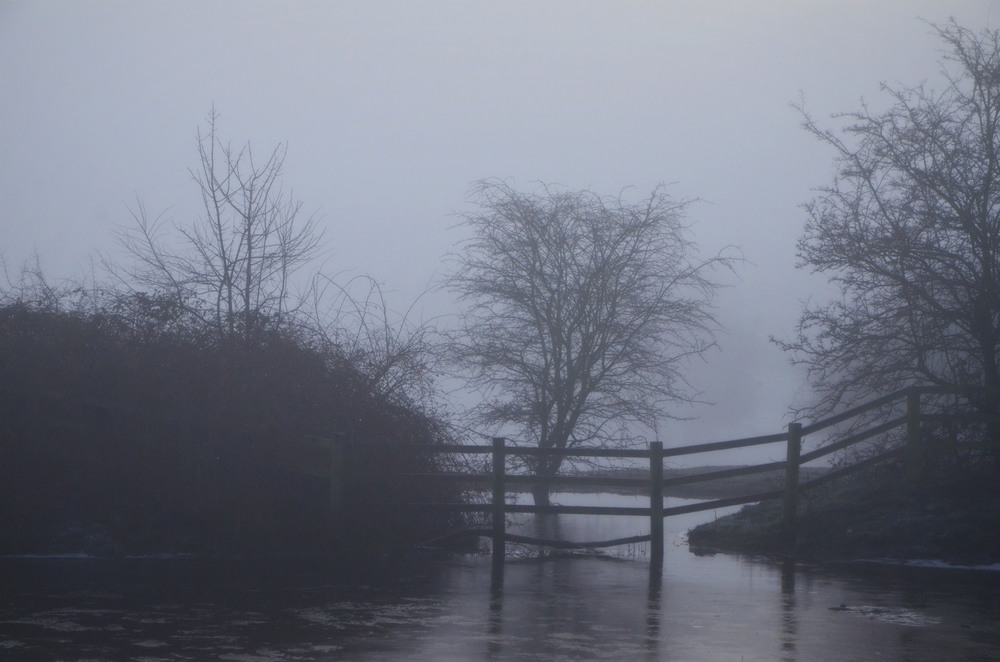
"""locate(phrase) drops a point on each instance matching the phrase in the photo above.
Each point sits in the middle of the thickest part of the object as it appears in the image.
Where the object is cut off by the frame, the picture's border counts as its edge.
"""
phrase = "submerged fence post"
(791, 484)
(656, 504)
(499, 514)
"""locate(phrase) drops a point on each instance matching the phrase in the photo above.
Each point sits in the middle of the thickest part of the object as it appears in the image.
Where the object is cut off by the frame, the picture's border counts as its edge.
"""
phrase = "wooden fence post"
(791, 505)
(914, 444)
(656, 504)
(499, 511)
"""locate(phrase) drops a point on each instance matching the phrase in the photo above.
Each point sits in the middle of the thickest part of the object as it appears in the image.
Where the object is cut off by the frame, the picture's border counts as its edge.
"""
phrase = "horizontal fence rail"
(498, 481)
(902, 411)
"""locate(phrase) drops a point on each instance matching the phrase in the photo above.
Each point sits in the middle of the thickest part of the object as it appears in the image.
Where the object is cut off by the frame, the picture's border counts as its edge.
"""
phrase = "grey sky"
(391, 109)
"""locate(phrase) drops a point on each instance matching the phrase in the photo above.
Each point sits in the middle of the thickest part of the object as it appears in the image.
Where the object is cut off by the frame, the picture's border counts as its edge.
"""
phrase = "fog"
(392, 109)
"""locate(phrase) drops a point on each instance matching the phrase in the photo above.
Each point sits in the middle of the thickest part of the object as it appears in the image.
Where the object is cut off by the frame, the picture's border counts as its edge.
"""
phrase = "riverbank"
(954, 518)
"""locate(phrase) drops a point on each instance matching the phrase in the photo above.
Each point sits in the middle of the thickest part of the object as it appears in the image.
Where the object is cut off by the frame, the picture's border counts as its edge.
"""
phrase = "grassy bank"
(954, 517)
(720, 488)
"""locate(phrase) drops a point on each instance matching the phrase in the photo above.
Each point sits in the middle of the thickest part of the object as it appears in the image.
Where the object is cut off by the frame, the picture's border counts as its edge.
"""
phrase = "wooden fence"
(905, 411)
(900, 410)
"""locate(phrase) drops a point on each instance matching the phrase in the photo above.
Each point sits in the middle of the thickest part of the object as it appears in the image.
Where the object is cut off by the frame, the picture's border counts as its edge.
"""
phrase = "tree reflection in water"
(696, 608)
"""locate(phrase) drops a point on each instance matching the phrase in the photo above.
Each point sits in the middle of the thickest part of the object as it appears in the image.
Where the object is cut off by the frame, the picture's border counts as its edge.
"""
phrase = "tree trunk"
(544, 470)
(540, 492)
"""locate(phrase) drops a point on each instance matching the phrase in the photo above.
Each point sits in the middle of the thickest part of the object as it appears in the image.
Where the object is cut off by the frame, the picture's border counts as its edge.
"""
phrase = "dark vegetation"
(953, 516)
(120, 438)
(168, 408)
(909, 234)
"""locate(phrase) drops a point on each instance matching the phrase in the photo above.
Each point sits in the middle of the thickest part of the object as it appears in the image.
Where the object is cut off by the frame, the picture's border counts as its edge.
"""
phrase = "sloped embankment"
(954, 518)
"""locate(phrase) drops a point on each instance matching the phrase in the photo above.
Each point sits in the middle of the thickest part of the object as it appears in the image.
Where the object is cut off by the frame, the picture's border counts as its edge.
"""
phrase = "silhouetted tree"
(233, 266)
(581, 313)
(228, 275)
(909, 231)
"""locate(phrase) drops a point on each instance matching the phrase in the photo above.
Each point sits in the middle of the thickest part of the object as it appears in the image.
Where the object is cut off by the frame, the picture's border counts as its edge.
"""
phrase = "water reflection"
(653, 611)
(789, 622)
(494, 631)
(591, 608)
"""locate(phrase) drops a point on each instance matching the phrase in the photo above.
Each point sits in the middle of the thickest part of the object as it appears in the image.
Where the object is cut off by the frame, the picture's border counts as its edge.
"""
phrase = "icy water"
(712, 608)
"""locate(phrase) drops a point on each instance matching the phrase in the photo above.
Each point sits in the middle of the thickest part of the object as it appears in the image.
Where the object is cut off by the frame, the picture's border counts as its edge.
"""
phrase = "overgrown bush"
(126, 430)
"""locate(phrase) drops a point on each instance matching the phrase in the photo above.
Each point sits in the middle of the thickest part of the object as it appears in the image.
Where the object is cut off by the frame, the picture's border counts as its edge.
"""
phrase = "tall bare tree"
(231, 270)
(581, 313)
(910, 232)
(233, 266)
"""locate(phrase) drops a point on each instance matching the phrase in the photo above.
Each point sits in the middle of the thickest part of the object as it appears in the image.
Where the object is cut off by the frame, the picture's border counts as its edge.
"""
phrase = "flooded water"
(713, 608)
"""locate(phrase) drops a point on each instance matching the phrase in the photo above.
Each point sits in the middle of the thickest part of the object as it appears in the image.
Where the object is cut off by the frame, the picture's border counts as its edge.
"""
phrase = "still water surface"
(712, 608)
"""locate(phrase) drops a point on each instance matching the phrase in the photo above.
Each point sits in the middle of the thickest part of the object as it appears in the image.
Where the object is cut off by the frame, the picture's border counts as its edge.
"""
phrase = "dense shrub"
(133, 433)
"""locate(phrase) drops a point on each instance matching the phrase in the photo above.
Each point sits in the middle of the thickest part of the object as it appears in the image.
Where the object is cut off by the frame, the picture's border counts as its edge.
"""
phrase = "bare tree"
(910, 232)
(581, 313)
(232, 271)
(233, 267)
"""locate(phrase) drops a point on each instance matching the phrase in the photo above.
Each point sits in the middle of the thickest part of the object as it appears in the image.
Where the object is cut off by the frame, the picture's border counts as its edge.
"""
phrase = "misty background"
(391, 109)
